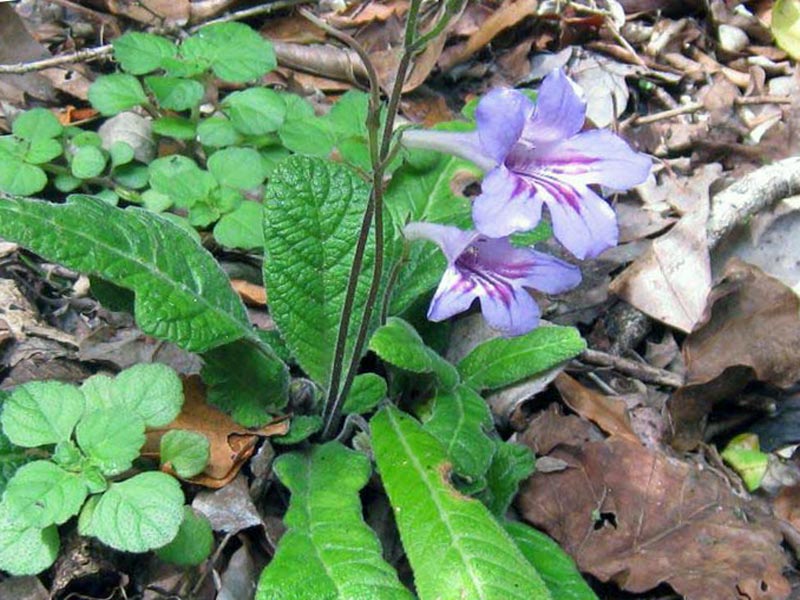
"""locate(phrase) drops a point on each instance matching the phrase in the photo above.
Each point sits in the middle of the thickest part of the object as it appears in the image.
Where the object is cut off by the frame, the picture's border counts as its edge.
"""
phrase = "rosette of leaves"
(86, 439)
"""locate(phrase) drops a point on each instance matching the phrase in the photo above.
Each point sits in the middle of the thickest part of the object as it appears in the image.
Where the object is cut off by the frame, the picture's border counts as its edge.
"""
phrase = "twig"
(762, 100)
(261, 9)
(639, 370)
(668, 114)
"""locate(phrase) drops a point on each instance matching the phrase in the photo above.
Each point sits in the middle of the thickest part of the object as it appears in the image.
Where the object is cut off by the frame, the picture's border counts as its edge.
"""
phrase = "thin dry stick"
(639, 370)
(762, 100)
(668, 114)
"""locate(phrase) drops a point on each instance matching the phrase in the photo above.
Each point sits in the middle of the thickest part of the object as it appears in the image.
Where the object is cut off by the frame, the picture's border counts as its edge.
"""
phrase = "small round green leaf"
(98, 390)
(301, 427)
(139, 514)
(140, 53)
(133, 175)
(38, 123)
(239, 168)
(111, 438)
(156, 201)
(43, 150)
(66, 183)
(42, 493)
(193, 543)
(42, 412)
(25, 550)
(153, 392)
(86, 138)
(176, 93)
(242, 228)
(186, 451)
(121, 153)
(87, 162)
(234, 51)
(175, 127)
(112, 94)
(217, 132)
(255, 111)
(20, 178)
(367, 390)
(181, 179)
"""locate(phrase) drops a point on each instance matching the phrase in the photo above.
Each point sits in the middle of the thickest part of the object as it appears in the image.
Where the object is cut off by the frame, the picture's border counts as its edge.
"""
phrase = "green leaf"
(555, 566)
(38, 123)
(785, 26)
(543, 231)
(301, 427)
(182, 294)
(456, 548)
(42, 494)
(132, 175)
(239, 168)
(313, 212)
(181, 179)
(234, 51)
(398, 343)
(140, 53)
(743, 454)
(175, 93)
(460, 421)
(43, 150)
(112, 94)
(217, 132)
(111, 438)
(41, 412)
(156, 201)
(154, 392)
(502, 361)
(193, 544)
(328, 551)
(20, 178)
(136, 515)
(367, 390)
(66, 183)
(11, 459)
(511, 464)
(245, 380)
(121, 153)
(243, 228)
(86, 138)
(187, 452)
(25, 550)
(311, 136)
(175, 127)
(87, 162)
(255, 111)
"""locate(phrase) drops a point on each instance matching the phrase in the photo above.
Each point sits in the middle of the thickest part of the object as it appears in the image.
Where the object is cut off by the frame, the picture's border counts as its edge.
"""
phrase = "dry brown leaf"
(369, 12)
(293, 28)
(640, 518)
(149, 12)
(609, 413)
(17, 46)
(671, 281)
(250, 293)
(230, 443)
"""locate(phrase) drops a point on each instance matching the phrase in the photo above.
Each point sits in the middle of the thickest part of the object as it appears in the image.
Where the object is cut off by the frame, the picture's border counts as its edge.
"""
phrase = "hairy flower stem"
(374, 213)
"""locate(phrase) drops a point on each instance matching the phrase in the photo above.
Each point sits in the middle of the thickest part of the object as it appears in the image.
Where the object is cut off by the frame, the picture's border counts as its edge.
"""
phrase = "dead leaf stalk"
(635, 369)
(668, 114)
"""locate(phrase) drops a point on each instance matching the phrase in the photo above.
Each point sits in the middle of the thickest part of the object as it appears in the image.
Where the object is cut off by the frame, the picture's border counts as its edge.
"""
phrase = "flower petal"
(582, 221)
(507, 204)
(465, 145)
(501, 116)
(454, 295)
(597, 156)
(550, 275)
(560, 112)
(451, 240)
(512, 315)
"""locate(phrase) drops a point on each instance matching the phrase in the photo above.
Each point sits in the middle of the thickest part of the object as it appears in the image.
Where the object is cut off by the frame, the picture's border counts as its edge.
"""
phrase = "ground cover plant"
(368, 248)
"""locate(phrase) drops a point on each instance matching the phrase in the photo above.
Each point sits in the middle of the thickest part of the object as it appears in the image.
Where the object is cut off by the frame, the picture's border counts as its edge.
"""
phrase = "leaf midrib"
(490, 364)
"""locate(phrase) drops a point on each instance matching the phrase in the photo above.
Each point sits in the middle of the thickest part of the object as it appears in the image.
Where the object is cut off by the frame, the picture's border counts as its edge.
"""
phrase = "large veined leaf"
(455, 546)
(502, 361)
(312, 216)
(328, 552)
(511, 464)
(460, 421)
(554, 565)
(182, 294)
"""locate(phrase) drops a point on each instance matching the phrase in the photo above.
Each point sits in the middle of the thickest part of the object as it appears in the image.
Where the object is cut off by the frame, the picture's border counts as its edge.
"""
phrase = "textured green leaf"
(41, 412)
(460, 421)
(154, 392)
(328, 552)
(121, 153)
(511, 464)
(398, 343)
(186, 451)
(456, 548)
(141, 53)
(181, 179)
(502, 361)
(556, 567)
(175, 127)
(112, 94)
(136, 515)
(310, 135)
(245, 380)
(36, 123)
(43, 150)
(175, 93)
(217, 132)
(242, 228)
(182, 294)
(42, 493)
(18, 177)
(367, 390)
(111, 438)
(194, 541)
(239, 168)
(234, 51)
(301, 428)
(88, 161)
(25, 550)
(313, 212)
(255, 111)
(11, 459)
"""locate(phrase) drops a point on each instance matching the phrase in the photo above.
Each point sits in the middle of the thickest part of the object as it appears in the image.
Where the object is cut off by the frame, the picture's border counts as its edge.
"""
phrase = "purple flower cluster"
(534, 154)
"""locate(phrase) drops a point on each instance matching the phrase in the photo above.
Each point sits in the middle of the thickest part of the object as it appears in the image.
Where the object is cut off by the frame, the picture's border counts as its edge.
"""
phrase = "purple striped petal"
(559, 114)
(513, 315)
(454, 295)
(452, 241)
(507, 204)
(501, 117)
(582, 221)
(596, 156)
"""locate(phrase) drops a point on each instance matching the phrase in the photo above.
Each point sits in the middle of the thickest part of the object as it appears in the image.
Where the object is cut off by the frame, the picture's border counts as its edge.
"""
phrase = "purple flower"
(494, 272)
(535, 154)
